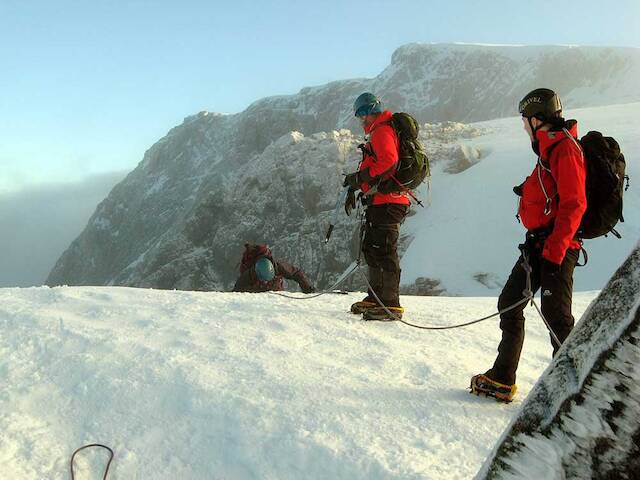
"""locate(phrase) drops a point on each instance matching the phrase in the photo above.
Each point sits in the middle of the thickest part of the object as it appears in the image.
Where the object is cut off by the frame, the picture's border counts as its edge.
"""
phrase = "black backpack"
(605, 185)
(413, 163)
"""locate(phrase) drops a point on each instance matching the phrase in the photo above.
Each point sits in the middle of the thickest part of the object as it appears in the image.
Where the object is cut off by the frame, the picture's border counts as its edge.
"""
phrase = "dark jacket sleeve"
(243, 284)
(290, 272)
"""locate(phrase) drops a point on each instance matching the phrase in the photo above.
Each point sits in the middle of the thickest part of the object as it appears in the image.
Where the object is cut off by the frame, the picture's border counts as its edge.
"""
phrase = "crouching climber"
(259, 272)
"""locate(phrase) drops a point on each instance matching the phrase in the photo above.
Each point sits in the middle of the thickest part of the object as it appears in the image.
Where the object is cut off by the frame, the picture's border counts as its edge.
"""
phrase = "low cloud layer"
(37, 225)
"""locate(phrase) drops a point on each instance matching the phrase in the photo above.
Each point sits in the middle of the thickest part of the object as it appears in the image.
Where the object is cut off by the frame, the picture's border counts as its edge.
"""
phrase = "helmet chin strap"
(535, 145)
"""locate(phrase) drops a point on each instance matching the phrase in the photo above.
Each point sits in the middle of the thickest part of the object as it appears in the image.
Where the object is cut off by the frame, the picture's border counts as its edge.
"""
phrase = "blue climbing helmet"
(264, 269)
(366, 104)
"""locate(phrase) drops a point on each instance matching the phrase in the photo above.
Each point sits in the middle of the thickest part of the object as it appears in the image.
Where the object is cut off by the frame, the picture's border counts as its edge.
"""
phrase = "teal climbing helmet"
(264, 269)
(366, 104)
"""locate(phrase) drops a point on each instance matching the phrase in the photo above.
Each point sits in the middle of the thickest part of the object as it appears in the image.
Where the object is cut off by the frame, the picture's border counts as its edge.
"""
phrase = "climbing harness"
(106, 470)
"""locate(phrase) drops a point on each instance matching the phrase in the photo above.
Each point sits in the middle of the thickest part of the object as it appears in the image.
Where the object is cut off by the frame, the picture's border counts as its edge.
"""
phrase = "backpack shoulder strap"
(568, 136)
(367, 149)
(571, 137)
(386, 122)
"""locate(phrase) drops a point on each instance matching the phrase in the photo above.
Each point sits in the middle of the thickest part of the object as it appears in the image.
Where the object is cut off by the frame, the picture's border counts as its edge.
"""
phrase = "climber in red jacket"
(552, 203)
(384, 213)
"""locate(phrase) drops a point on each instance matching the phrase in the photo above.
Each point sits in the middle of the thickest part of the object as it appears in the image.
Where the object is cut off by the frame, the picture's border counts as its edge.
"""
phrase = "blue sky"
(87, 87)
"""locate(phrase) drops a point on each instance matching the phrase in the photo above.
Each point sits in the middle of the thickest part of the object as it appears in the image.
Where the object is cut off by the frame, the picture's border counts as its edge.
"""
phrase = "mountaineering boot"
(375, 280)
(483, 385)
(363, 305)
(389, 296)
(379, 313)
(390, 291)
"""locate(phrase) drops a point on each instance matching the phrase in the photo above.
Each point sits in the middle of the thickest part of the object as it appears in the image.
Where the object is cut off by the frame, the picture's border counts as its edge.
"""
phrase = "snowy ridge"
(188, 385)
(581, 418)
(453, 81)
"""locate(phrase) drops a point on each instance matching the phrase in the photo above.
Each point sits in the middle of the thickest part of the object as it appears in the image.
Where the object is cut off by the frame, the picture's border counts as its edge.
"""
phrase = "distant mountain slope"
(581, 418)
(156, 227)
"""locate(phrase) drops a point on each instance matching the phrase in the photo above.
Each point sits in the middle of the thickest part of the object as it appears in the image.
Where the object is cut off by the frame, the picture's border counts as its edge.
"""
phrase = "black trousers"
(557, 290)
(380, 249)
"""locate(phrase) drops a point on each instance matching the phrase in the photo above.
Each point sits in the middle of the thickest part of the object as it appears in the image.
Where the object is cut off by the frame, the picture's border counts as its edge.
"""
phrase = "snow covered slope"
(581, 418)
(157, 227)
(186, 385)
(467, 239)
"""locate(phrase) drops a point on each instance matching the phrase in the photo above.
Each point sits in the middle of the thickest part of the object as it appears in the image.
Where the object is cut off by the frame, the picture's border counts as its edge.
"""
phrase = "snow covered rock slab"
(581, 418)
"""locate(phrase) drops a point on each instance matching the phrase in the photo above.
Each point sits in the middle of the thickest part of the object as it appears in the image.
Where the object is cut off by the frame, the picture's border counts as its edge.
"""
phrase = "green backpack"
(413, 163)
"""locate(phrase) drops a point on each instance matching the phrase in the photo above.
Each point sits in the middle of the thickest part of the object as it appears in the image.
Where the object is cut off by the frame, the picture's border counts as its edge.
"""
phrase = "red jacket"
(384, 144)
(562, 175)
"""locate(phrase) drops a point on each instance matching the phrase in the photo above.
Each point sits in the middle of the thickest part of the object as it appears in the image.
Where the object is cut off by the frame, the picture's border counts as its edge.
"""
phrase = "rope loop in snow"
(91, 445)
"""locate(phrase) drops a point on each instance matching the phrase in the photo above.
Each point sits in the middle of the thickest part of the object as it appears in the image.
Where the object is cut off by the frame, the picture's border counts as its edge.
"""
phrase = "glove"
(308, 288)
(350, 202)
(518, 189)
(352, 180)
(305, 284)
(550, 267)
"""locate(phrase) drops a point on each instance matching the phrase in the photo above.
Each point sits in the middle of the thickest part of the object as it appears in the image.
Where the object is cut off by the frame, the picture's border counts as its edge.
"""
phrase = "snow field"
(246, 386)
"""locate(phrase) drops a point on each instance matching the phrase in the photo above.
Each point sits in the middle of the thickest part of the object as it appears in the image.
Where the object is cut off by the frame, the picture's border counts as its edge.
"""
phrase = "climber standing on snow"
(552, 203)
(384, 213)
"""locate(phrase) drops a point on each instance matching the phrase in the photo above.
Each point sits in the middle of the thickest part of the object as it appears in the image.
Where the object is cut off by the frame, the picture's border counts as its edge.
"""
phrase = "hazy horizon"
(39, 223)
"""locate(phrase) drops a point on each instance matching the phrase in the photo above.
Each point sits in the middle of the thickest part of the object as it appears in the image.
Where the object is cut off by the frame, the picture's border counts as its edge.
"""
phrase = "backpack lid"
(406, 127)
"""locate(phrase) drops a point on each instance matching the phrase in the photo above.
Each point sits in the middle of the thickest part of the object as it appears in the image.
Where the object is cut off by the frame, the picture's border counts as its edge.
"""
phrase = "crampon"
(482, 385)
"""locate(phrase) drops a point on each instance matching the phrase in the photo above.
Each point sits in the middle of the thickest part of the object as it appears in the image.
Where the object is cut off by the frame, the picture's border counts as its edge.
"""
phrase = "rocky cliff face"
(190, 234)
(179, 220)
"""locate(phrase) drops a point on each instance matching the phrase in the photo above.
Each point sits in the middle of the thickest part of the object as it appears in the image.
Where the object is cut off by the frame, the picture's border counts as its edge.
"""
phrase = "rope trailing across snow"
(345, 275)
(355, 266)
(527, 294)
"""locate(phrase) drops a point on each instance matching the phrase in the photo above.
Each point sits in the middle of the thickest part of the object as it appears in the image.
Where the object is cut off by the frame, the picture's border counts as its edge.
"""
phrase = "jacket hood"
(383, 117)
(548, 138)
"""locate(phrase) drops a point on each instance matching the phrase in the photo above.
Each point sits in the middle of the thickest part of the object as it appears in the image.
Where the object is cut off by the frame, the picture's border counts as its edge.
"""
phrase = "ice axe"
(342, 196)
